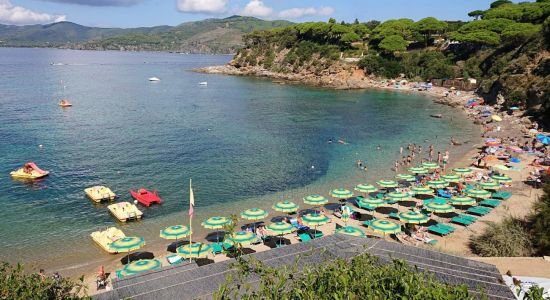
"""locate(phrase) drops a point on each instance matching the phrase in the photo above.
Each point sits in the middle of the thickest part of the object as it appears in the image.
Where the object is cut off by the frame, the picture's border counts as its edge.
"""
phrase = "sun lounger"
(174, 259)
(447, 227)
(379, 196)
(464, 220)
(304, 237)
(443, 193)
(502, 195)
(490, 203)
(391, 202)
(479, 210)
(367, 207)
(393, 215)
(438, 230)
(298, 226)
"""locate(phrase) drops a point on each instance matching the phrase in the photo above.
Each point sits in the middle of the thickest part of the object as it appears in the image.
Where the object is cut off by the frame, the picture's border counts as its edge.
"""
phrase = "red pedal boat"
(145, 197)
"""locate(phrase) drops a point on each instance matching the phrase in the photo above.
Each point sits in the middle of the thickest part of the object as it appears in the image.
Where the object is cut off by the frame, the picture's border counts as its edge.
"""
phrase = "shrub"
(508, 238)
(540, 223)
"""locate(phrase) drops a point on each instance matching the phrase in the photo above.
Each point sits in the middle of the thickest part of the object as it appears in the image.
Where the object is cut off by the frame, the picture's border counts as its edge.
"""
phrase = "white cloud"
(298, 12)
(257, 8)
(18, 15)
(202, 6)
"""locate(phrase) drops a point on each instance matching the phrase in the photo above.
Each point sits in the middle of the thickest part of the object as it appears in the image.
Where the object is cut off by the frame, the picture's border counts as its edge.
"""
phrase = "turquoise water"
(245, 142)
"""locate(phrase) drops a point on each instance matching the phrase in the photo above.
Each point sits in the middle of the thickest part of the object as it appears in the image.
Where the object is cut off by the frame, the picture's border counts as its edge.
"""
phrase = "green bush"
(540, 223)
(364, 277)
(508, 238)
(16, 285)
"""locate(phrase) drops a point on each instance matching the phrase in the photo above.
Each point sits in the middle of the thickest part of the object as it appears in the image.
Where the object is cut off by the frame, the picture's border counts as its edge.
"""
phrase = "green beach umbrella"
(462, 200)
(194, 250)
(418, 170)
(315, 220)
(216, 222)
(463, 171)
(350, 230)
(315, 200)
(127, 244)
(430, 165)
(175, 232)
(385, 227)
(254, 214)
(437, 207)
(242, 238)
(398, 196)
(341, 193)
(286, 206)
(422, 190)
(478, 193)
(141, 265)
(451, 178)
(280, 228)
(387, 183)
(365, 188)
(437, 184)
(501, 178)
(413, 217)
(489, 185)
(371, 202)
(407, 177)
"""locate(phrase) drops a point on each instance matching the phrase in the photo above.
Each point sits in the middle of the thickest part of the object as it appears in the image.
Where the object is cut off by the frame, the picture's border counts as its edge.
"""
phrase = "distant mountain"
(206, 36)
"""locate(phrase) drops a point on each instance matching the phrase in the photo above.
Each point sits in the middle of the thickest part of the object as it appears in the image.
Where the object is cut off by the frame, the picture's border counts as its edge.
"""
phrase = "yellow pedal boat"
(125, 211)
(29, 171)
(99, 193)
(106, 237)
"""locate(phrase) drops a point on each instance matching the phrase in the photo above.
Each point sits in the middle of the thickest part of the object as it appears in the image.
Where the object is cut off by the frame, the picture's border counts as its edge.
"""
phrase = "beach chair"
(443, 193)
(479, 210)
(438, 230)
(464, 220)
(174, 259)
(298, 226)
(379, 196)
(502, 195)
(490, 203)
(367, 207)
(391, 202)
(304, 237)
(447, 227)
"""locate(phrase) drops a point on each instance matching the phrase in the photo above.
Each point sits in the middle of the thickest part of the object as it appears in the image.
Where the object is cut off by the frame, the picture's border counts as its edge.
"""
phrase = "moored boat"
(125, 211)
(145, 197)
(29, 171)
(154, 79)
(65, 103)
(100, 193)
(106, 237)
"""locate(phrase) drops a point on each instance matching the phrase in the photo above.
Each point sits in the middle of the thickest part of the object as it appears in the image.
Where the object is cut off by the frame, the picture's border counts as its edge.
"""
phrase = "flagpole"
(191, 203)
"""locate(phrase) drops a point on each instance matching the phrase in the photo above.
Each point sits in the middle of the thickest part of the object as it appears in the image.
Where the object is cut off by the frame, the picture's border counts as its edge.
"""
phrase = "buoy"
(40, 146)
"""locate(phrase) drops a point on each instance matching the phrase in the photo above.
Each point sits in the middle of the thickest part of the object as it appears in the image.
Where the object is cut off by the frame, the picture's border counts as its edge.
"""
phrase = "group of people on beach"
(414, 150)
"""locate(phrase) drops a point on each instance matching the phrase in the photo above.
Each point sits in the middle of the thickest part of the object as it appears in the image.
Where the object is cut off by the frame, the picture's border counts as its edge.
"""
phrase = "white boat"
(203, 83)
(154, 79)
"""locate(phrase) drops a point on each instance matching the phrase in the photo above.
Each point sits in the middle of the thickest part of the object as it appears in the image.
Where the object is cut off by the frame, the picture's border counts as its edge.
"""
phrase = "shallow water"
(245, 142)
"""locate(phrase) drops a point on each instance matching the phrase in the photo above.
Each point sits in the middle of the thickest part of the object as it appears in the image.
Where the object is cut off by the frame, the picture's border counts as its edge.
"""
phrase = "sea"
(245, 142)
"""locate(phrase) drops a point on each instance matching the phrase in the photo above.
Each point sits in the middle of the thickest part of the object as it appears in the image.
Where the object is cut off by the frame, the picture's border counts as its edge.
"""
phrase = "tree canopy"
(429, 26)
(393, 43)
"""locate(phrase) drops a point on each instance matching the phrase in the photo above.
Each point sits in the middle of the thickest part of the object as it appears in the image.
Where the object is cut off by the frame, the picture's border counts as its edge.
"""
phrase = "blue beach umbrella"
(543, 139)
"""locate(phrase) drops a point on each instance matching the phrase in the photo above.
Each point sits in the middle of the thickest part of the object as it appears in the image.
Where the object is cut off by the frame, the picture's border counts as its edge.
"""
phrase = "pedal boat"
(65, 103)
(106, 237)
(125, 211)
(99, 193)
(145, 197)
(29, 171)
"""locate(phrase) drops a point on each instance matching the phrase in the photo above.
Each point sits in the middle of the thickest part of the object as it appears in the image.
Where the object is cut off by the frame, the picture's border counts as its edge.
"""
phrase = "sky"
(138, 13)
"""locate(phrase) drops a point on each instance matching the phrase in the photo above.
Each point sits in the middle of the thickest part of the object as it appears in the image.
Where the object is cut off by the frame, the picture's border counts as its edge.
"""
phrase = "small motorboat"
(145, 197)
(125, 211)
(99, 193)
(154, 79)
(106, 237)
(203, 83)
(65, 103)
(29, 171)
(437, 116)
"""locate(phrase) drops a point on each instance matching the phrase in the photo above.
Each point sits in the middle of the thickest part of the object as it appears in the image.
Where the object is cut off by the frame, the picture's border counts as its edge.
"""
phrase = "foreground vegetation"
(518, 237)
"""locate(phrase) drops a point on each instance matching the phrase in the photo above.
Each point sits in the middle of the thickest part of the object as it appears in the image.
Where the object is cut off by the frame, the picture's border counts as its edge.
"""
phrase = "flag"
(191, 199)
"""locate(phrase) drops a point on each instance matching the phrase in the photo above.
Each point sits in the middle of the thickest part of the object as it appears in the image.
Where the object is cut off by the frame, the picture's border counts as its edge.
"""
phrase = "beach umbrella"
(437, 207)
(365, 188)
(315, 219)
(216, 222)
(501, 167)
(501, 178)
(141, 265)
(422, 190)
(384, 226)
(437, 184)
(451, 178)
(543, 139)
(413, 217)
(286, 206)
(387, 183)
(127, 244)
(315, 200)
(430, 165)
(406, 177)
(489, 185)
(398, 196)
(350, 230)
(418, 170)
(478, 193)
(175, 232)
(280, 228)
(462, 200)
(463, 171)
(375, 202)
(254, 214)
(341, 193)
(242, 238)
(194, 250)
